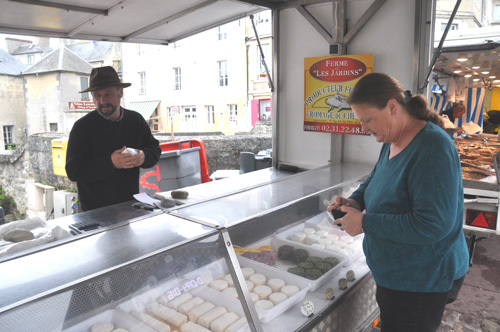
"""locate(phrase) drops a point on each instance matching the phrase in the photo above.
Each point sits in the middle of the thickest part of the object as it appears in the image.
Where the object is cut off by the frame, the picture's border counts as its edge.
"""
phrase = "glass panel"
(86, 256)
(227, 210)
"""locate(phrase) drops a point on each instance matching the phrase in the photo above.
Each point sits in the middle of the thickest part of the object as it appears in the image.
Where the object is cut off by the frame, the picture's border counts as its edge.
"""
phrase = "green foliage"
(7, 202)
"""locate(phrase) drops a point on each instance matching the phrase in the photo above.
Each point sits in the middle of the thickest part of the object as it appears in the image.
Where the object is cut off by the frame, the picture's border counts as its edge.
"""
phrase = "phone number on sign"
(338, 129)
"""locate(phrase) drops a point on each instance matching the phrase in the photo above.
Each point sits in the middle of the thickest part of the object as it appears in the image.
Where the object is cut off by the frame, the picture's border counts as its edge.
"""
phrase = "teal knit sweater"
(414, 212)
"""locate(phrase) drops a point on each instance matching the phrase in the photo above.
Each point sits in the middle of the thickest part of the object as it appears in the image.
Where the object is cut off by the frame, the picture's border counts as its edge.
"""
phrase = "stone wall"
(15, 176)
(32, 163)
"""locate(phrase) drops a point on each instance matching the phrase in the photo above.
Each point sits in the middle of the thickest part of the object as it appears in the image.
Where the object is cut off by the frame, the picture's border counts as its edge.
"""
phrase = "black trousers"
(402, 311)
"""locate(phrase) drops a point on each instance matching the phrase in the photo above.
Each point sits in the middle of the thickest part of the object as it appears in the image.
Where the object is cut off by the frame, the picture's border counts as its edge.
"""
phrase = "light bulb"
(462, 57)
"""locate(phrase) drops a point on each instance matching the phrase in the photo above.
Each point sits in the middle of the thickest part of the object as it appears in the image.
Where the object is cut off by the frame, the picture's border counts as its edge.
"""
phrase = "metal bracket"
(239, 281)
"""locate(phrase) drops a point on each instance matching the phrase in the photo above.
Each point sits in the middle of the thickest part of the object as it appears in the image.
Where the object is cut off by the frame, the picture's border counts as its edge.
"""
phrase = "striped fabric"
(474, 102)
(438, 102)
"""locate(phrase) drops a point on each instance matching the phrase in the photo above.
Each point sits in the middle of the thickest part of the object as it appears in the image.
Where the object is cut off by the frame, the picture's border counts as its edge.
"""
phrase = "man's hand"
(126, 160)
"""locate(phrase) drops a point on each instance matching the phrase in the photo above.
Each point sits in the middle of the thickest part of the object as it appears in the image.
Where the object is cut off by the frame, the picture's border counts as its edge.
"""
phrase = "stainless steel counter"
(238, 203)
(84, 257)
(214, 189)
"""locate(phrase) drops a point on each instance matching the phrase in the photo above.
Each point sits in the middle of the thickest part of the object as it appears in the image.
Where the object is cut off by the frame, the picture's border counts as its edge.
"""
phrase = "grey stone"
(181, 194)
(18, 235)
(167, 202)
(450, 318)
(489, 326)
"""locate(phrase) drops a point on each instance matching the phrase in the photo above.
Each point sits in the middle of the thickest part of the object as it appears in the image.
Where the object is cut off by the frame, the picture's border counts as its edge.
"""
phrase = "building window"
(142, 83)
(223, 80)
(453, 26)
(8, 137)
(177, 78)
(222, 32)
(496, 12)
(263, 17)
(210, 114)
(190, 117)
(264, 109)
(31, 59)
(141, 49)
(84, 83)
(266, 49)
(233, 113)
(53, 126)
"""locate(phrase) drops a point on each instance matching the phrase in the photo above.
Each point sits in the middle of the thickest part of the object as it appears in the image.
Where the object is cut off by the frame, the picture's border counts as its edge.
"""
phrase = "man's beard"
(110, 110)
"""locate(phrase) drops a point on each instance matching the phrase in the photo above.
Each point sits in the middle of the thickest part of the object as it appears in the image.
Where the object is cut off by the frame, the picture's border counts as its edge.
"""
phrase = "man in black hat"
(96, 159)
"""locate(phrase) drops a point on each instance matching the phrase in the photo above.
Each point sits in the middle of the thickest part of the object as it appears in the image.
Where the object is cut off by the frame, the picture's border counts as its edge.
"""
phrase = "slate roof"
(31, 48)
(10, 65)
(61, 59)
(92, 51)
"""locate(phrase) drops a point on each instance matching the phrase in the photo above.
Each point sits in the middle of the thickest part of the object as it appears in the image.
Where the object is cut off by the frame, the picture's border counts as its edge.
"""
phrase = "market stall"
(466, 73)
(112, 274)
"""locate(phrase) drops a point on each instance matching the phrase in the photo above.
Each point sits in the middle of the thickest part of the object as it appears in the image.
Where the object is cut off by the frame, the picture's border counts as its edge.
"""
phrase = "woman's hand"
(341, 201)
(352, 222)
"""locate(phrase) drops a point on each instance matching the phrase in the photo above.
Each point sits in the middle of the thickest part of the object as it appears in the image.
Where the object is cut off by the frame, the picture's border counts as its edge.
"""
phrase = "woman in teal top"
(413, 207)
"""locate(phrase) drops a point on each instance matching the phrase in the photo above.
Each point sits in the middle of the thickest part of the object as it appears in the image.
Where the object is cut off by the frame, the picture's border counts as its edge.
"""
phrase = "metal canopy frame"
(166, 21)
(136, 21)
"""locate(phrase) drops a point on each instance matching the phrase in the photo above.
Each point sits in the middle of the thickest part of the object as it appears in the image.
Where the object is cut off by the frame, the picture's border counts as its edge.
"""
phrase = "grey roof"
(10, 65)
(31, 48)
(145, 108)
(92, 51)
(61, 59)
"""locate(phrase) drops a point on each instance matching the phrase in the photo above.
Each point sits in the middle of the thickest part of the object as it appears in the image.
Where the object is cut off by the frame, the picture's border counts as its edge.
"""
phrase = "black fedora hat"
(104, 77)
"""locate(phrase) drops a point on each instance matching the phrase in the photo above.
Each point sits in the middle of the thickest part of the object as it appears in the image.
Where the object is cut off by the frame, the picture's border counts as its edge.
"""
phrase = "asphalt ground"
(477, 308)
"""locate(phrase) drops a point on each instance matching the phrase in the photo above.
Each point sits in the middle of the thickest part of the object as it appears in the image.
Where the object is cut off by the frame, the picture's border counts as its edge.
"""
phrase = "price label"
(330, 294)
(307, 308)
(343, 283)
(350, 275)
(184, 287)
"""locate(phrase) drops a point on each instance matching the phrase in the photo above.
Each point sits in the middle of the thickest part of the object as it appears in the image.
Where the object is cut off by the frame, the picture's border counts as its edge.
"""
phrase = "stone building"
(12, 116)
(51, 85)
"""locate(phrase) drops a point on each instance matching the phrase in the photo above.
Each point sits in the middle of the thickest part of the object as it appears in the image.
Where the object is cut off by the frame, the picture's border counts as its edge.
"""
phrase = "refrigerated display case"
(117, 273)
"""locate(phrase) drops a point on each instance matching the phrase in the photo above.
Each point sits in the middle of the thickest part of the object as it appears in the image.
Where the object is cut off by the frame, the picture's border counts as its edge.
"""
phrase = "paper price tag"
(330, 294)
(307, 308)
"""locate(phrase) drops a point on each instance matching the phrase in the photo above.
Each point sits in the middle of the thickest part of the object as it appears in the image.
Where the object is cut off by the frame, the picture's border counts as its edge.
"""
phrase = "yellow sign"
(328, 82)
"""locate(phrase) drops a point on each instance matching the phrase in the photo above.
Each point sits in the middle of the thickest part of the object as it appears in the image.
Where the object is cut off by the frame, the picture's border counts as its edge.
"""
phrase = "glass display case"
(208, 264)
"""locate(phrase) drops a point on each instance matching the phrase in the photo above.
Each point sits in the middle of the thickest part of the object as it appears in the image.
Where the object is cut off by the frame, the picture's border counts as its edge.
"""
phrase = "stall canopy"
(145, 108)
(136, 21)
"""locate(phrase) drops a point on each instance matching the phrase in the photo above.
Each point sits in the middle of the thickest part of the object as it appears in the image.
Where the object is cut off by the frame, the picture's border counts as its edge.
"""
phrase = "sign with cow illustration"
(328, 81)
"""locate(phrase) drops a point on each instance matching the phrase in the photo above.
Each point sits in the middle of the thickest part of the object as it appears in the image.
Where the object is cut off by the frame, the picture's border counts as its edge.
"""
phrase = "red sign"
(81, 105)
(483, 219)
(337, 69)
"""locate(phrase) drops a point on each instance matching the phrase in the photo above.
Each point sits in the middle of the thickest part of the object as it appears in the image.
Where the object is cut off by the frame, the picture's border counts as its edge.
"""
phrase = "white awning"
(145, 108)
